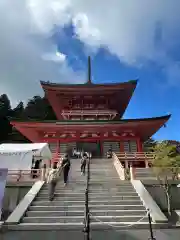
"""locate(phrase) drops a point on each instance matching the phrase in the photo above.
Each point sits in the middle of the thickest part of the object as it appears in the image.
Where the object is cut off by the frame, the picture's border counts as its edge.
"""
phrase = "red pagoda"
(90, 118)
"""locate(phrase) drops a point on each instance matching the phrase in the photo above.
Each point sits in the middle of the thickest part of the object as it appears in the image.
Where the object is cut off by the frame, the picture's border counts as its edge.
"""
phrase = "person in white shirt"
(52, 179)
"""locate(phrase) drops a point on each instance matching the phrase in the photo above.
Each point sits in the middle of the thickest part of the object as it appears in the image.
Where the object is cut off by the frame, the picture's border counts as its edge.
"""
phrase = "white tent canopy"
(19, 156)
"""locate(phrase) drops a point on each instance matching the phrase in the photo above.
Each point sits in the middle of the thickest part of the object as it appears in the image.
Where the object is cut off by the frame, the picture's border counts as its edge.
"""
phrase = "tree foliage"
(166, 166)
(149, 145)
(37, 108)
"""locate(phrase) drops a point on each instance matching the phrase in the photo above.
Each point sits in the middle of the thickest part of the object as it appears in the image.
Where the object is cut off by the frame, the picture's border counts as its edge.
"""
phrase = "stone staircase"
(145, 174)
(64, 147)
(111, 201)
(67, 208)
(115, 209)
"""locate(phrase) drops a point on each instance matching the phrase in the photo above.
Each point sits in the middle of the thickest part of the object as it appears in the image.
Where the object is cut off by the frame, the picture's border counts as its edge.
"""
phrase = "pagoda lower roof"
(143, 128)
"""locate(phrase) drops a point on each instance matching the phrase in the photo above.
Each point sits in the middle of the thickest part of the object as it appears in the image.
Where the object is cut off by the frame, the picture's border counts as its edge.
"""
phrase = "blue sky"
(126, 40)
(153, 96)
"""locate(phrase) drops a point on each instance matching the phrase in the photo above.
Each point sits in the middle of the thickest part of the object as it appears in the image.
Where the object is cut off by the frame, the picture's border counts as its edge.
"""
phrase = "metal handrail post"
(150, 227)
(87, 217)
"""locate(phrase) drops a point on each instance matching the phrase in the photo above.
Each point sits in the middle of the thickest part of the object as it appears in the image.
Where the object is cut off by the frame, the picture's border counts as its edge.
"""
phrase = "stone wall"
(14, 192)
(158, 194)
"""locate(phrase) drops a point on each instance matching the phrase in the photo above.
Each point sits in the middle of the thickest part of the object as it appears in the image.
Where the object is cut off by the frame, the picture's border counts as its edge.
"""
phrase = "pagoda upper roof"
(143, 127)
(119, 93)
(65, 86)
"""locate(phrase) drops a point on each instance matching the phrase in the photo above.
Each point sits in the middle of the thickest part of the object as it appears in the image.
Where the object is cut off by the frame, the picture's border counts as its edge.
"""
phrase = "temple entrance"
(93, 147)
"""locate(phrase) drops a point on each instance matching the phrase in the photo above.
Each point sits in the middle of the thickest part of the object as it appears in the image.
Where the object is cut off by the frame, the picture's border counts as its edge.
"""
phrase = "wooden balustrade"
(24, 175)
(136, 155)
(129, 158)
(30, 175)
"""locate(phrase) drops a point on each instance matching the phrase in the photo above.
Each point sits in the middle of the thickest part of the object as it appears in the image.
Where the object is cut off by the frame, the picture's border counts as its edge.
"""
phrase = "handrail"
(87, 215)
(119, 167)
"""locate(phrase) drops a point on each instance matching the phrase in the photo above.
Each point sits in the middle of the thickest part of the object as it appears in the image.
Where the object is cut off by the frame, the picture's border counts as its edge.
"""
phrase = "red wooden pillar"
(101, 147)
(139, 145)
(122, 146)
(57, 151)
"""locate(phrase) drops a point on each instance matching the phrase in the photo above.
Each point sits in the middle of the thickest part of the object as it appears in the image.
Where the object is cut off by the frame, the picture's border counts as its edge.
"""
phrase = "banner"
(3, 176)
(16, 162)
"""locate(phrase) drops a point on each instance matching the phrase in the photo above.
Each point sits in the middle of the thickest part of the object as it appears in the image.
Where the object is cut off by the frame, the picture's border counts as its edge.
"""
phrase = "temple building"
(89, 117)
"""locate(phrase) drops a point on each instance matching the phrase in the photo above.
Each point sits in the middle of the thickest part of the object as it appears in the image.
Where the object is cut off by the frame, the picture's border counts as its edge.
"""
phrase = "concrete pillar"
(146, 164)
(43, 172)
(126, 164)
(132, 173)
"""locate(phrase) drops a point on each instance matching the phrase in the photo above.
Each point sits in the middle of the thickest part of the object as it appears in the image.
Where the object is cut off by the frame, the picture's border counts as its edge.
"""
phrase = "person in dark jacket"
(66, 164)
(83, 163)
(109, 153)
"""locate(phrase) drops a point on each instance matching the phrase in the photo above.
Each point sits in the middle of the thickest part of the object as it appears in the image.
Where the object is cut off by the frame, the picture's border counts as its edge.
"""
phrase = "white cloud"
(26, 54)
(127, 28)
(54, 56)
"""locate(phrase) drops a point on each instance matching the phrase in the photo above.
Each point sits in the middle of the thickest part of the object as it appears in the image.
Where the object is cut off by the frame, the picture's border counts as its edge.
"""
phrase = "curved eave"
(142, 128)
(164, 118)
(64, 86)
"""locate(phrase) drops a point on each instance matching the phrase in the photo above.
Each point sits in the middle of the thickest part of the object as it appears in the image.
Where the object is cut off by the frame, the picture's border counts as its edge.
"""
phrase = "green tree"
(5, 112)
(149, 145)
(18, 111)
(5, 106)
(166, 165)
(38, 108)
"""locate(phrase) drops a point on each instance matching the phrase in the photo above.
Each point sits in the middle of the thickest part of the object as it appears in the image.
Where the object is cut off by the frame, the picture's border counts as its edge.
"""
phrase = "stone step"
(119, 201)
(68, 227)
(64, 191)
(145, 174)
(126, 218)
(101, 169)
(104, 207)
(81, 213)
(54, 213)
(104, 178)
(110, 188)
(91, 194)
(91, 202)
(68, 187)
(91, 191)
(82, 198)
(53, 219)
(76, 219)
(104, 171)
(75, 183)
